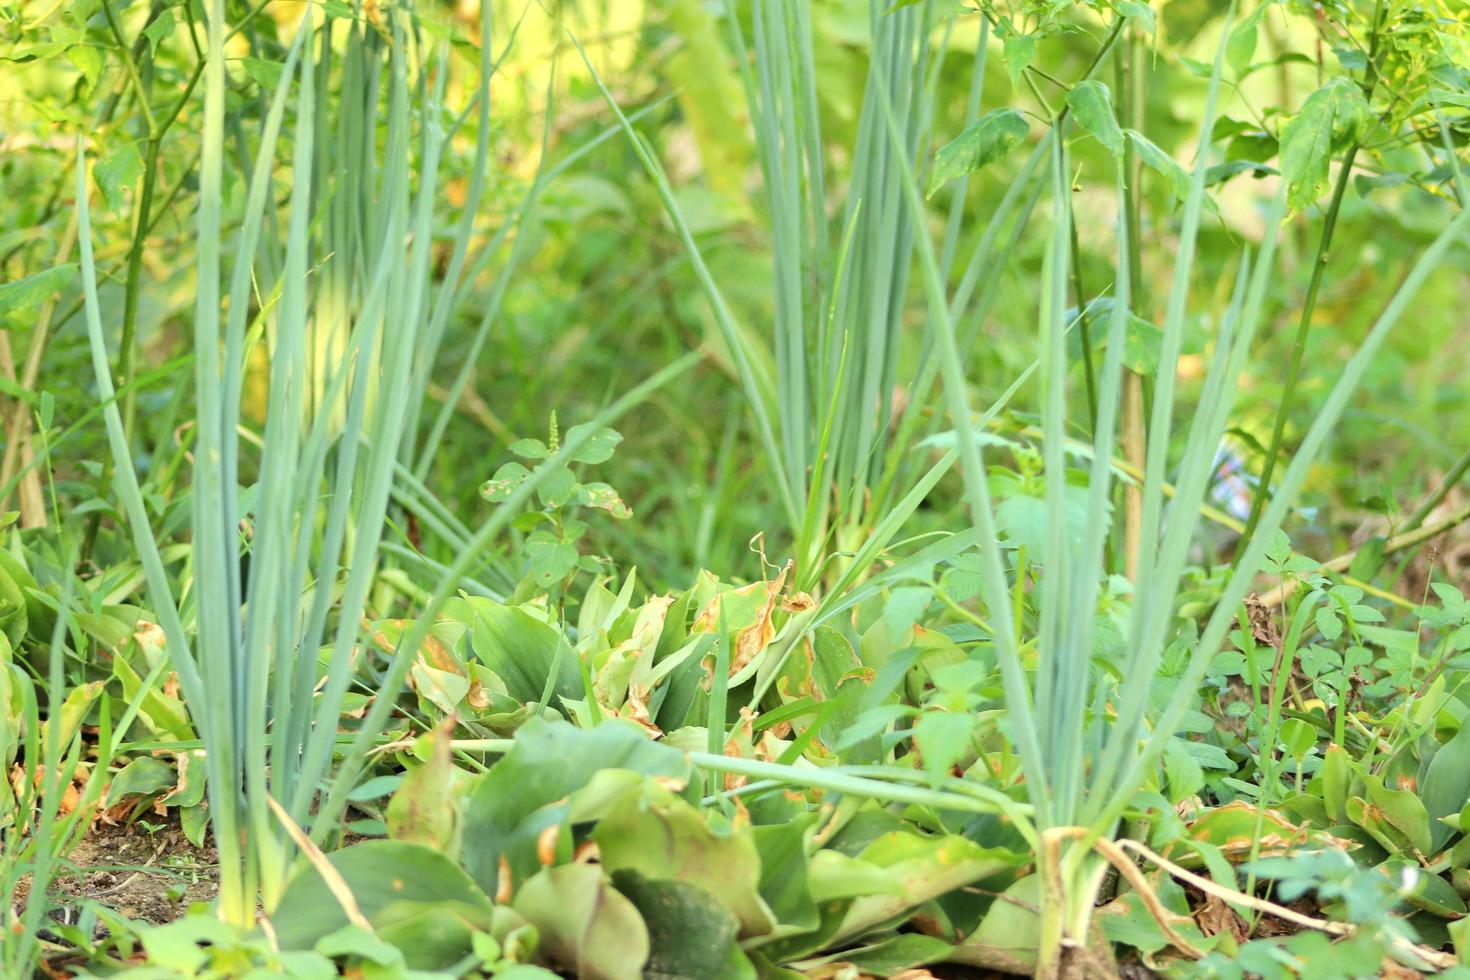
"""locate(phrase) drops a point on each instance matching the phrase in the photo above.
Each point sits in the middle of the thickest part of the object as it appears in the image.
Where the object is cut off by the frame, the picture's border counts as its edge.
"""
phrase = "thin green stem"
(1309, 302)
(130, 65)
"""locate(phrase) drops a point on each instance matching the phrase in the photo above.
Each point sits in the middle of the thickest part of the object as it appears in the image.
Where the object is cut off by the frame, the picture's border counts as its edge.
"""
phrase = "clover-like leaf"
(599, 445)
(500, 486)
(603, 497)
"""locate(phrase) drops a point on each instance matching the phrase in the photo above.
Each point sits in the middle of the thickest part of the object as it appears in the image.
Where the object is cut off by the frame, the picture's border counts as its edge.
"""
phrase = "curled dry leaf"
(546, 843)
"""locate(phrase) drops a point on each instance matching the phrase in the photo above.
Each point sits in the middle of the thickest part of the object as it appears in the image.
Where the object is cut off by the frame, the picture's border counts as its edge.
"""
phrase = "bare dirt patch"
(152, 874)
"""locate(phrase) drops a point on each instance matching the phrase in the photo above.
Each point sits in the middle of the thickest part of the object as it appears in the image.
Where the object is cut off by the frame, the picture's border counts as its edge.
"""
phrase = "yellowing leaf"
(1334, 112)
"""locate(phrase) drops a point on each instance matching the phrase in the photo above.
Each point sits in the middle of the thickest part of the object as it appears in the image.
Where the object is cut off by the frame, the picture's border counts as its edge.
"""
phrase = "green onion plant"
(1089, 740)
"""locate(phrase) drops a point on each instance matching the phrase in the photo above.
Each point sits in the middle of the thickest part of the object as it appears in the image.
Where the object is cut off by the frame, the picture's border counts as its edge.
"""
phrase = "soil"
(147, 875)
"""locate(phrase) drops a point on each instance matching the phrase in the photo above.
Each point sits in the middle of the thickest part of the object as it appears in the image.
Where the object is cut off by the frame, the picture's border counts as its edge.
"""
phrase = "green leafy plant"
(550, 552)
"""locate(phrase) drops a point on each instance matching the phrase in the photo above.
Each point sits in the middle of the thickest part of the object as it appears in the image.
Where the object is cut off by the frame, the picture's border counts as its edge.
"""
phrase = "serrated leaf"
(160, 30)
(265, 73)
(1184, 774)
(944, 739)
(1092, 106)
(1019, 51)
(1335, 111)
(88, 61)
(1327, 623)
(991, 137)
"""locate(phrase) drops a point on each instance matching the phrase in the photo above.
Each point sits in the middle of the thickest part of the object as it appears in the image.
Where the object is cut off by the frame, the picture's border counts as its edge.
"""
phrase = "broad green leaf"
(657, 835)
(896, 956)
(1092, 107)
(1369, 558)
(991, 137)
(358, 944)
(1010, 933)
(410, 893)
(1328, 623)
(32, 291)
(14, 611)
(904, 608)
(1337, 778)
(704, 76)
(88, 61)
(1395, 817)
(1128, 922)
(508, 808)
(142, 777)
(900, 870)
(1334, 112)
(521, 649)
(586, 925)
(783, 863)
(691, 933)
(1142, 344)
(1221, 172)
(1446, 786)
(1430, 892)
(423, 810)
(1238, 828)
(73, 712)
